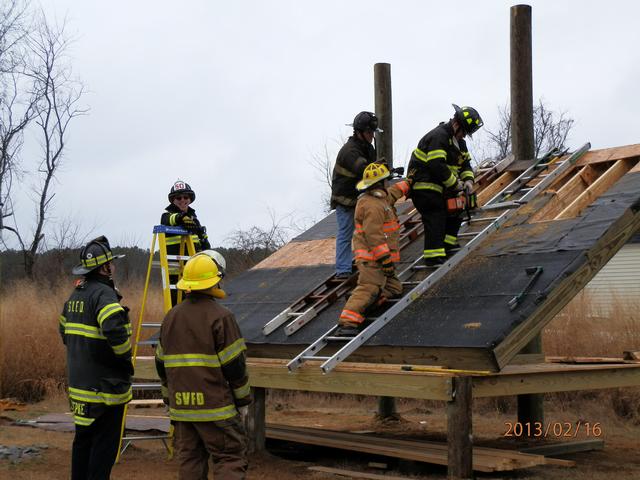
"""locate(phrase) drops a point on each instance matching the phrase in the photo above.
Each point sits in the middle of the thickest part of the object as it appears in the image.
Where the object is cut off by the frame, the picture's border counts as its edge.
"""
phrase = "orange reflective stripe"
(351, 316)
(362, 254)
(395, 256)
(359, 228)
(390, 226)
(380, 251)
(403, 186)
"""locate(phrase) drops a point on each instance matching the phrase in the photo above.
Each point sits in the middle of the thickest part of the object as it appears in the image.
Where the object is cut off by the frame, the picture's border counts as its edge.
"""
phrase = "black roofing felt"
(468, 307)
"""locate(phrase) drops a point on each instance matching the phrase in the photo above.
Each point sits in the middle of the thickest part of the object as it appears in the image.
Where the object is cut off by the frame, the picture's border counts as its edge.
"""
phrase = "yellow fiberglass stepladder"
(170, 265)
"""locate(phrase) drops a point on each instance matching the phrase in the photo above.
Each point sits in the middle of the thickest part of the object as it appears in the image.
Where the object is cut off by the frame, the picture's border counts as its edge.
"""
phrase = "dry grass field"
(32, 368)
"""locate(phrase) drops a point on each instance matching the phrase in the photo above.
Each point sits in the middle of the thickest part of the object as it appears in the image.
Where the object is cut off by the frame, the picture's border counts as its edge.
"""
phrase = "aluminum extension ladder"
(169, 264)
(517, 193)
(327, 292)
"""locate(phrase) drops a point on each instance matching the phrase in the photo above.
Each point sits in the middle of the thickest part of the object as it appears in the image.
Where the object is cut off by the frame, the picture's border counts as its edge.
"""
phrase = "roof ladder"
(350, 344)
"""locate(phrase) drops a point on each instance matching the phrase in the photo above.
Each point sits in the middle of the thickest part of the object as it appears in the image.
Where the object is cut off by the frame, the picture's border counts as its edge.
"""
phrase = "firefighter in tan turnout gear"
(375, 246)
(96, 330)
(201, 361)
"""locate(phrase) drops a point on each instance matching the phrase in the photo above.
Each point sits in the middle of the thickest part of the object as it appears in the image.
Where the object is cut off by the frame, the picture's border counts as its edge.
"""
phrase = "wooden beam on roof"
(597, 188)
(351, 378)
(609, 154)
(549, 379)
(494, 188)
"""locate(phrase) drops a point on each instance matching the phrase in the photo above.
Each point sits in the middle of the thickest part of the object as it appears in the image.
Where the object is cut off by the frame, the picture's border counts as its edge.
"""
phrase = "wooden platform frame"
(458, 390)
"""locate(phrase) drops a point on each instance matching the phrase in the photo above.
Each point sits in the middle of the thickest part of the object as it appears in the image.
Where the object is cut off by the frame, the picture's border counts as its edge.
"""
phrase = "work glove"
(244, 413)
(388, 269)
(459, 186)
(468, 186)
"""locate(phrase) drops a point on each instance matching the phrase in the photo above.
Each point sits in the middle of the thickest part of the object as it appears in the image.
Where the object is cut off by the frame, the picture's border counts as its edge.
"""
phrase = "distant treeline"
(56, 264)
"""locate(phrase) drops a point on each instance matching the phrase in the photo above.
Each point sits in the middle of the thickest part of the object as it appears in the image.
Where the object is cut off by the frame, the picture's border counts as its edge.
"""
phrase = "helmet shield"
(374, 173)
(181, 187)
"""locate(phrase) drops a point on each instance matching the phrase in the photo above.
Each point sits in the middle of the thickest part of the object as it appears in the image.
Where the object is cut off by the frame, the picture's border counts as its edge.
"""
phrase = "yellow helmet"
(374, 173)
(200, 273)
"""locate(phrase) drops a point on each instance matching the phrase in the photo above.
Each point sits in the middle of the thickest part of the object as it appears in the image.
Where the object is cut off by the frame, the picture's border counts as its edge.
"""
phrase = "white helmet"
(218, 258)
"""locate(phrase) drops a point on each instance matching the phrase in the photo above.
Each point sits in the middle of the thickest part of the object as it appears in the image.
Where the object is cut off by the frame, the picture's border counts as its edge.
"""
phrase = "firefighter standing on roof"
(201, 361)
(96, 331)
(352, 159)
(375, 245)
(179, 213)
(440, 167)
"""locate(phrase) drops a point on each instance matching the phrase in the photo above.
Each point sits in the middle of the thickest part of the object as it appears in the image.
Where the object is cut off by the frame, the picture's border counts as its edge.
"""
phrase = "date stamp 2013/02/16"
(552, 429)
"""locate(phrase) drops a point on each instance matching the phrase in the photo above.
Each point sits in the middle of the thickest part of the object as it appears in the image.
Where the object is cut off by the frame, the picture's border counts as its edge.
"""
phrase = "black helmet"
(181, 187)
(365, 121)
(468, 118)
(94, 254)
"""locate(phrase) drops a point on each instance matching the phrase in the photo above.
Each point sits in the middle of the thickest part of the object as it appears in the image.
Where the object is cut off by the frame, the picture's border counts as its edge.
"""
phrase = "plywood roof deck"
(571, 230)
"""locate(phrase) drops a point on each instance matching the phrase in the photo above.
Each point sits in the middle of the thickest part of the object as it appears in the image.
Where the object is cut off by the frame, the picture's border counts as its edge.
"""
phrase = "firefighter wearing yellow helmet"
(201, 361)
(375, 246)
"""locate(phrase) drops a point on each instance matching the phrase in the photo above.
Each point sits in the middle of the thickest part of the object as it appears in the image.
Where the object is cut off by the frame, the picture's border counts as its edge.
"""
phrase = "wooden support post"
(530, 407)
(382, 88)
(460, 431)
(256, 421)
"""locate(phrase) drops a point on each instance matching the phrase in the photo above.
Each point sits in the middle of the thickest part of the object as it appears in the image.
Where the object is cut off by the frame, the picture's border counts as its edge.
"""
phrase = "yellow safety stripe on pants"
(96, 261)
(467, 175)
(450, 239)
(122, 348)
(99, 397)
(436, 252)
(108, 310)
(62, 319)
(430, 155)
(243, 391)
(210, 415)
(428, 186)
(83, 421)
(191, 360)
(175, 239)
(232, 351)
(172, 219)
(344, 172)
(83, 330)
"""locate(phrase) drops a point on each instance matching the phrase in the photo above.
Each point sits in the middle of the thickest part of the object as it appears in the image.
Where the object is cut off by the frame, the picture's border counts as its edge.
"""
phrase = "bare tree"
(551, 129)
(57, 97)
(17, 101)
(322, 163)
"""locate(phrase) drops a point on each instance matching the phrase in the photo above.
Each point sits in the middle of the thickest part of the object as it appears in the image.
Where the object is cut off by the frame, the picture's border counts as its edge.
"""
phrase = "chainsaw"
(464, 202)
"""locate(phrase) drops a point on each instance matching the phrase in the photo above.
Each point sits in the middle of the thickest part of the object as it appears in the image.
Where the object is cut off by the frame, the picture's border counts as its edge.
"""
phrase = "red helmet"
(179, 187)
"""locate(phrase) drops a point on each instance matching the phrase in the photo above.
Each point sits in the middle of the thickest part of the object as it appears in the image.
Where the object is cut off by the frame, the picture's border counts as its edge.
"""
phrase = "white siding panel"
(620, 278)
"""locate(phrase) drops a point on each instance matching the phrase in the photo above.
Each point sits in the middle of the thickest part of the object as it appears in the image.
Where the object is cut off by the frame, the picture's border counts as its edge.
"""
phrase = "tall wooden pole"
(384, 148)
(460, 430)
(382, 87)
(530, 407)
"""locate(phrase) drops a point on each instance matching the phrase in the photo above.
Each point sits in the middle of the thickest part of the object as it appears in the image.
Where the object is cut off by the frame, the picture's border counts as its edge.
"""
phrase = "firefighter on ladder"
(180, 213)
(201, 362)
(96, 330)
(375, 246)
(440, 168)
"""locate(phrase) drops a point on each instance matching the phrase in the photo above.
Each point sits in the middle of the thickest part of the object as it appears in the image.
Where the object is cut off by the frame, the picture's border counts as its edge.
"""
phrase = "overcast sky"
(236, 97)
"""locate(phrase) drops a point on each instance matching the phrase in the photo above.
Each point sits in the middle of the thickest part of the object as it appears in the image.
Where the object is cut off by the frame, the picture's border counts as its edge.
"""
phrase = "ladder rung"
(150, 437)
(411, 283)
(147, 401)
(178, 257)
(467, 234)
(145, 358)
(336, 339)
(146, 386)
(311, 357)
(485, 219)
(425, 267)
(150, 325)
(148, 342)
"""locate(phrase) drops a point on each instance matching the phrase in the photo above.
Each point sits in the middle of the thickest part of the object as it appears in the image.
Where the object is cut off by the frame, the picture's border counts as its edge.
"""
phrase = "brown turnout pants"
(372, 283)
(224, 441)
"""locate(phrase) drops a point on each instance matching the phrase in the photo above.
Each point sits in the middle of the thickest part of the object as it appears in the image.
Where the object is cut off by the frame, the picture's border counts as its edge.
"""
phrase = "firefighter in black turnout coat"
(439, 168)
(96, 331)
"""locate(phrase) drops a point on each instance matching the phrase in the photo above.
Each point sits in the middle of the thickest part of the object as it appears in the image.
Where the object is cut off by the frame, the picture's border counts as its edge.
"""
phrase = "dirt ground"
(620, 458)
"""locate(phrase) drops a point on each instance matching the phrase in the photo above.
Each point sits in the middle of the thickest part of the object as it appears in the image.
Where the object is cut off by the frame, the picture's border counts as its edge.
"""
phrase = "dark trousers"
(95, 447)
(225, 442)
(440, 229)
